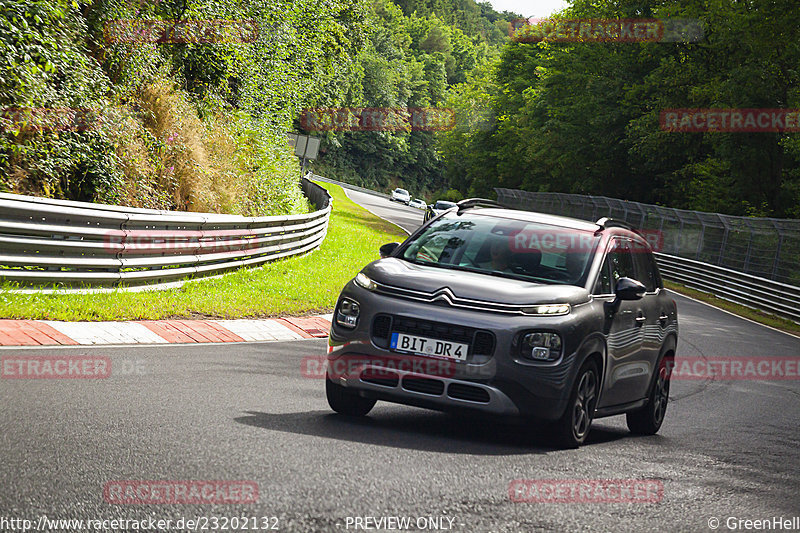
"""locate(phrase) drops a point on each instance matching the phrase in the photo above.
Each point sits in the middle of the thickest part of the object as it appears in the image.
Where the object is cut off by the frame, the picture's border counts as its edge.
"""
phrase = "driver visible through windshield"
(517, 249)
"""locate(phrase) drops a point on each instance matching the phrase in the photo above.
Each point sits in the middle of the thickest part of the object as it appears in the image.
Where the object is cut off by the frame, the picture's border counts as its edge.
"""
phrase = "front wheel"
(647, 420)
(573, 427)
(346, 402)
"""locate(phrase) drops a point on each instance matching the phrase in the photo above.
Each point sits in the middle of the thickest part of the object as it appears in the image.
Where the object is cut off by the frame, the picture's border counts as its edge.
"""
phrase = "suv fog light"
(541, 346)
(347, 313)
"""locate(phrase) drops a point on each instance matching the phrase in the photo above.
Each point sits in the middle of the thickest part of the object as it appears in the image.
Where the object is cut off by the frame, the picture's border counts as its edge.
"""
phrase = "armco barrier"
(758, 293)
(762, 246)
(347, 185)
(64, 244)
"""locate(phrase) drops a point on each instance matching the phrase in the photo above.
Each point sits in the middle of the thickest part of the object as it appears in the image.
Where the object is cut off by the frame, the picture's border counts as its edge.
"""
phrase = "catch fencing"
(751, 261)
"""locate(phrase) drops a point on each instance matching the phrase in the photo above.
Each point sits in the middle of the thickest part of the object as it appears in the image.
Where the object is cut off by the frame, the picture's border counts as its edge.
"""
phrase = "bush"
(184, 126)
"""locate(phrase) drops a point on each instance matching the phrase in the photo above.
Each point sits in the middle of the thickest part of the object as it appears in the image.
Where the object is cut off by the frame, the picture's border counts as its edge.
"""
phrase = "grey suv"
(510, 313)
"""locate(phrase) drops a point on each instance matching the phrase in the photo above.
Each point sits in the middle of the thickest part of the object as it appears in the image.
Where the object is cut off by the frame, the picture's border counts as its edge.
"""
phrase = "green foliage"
(185, 125)
(411, 58)
(584, 117)
(472, 17)
(202, 126)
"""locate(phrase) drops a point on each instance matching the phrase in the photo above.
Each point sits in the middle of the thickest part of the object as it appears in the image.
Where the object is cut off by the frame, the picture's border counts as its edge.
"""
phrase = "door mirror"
(629, 289)
(387, 249)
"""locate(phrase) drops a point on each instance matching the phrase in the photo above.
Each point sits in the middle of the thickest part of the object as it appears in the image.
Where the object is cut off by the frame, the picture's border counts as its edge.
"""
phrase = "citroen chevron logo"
(445, 295)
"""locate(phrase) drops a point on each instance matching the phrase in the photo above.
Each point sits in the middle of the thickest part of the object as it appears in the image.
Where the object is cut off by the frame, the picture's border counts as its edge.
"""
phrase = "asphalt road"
(408, 218)
(246, 412)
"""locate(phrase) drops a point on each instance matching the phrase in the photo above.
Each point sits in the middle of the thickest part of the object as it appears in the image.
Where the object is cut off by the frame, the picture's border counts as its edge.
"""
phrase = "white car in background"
(401, 195)
(419, 204)
(438, 208)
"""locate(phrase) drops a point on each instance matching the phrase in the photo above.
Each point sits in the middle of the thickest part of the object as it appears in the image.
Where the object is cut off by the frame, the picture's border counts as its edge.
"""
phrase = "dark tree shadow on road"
(424, 431)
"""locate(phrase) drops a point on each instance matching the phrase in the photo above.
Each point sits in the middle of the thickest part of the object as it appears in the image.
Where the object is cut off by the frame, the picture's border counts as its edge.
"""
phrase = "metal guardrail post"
(776, 260)
(746, 265)
(700, 238)
(724, 239)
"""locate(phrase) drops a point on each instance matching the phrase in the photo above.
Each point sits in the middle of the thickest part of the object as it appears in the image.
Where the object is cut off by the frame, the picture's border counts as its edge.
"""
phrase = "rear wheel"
(648, 419)
(573, 427)
(346, 402)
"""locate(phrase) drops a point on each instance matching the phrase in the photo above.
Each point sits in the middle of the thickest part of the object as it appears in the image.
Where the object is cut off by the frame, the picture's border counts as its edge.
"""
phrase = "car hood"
(469, 285)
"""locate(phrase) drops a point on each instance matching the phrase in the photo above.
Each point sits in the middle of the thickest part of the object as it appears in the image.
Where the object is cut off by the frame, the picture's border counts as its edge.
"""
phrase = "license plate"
(433, 347)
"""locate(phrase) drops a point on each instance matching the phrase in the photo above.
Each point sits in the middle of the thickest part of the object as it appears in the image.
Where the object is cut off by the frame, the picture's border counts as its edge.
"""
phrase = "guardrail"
(68, 245)
(348, 185)
(751, 291)
(770, 296)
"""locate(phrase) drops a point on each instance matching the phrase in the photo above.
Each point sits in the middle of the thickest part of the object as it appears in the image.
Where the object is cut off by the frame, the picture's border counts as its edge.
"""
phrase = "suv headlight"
(347, 313)
(541, 346)
(362, 280)
(547, 309)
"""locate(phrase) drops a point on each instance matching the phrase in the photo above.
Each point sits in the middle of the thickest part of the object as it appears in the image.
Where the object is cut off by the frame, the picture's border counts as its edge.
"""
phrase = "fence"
(64, 244)
(751, 261)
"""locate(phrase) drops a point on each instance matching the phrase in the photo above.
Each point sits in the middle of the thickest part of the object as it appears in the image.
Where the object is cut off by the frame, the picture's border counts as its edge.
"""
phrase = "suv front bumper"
(499, 385)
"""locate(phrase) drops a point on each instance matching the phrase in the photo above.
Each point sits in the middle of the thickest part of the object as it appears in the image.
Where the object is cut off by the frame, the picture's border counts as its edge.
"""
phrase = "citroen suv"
(509, 313)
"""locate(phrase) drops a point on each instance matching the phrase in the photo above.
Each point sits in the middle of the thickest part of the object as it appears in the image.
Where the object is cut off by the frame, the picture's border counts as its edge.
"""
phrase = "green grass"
(295, 286)
(746, 312)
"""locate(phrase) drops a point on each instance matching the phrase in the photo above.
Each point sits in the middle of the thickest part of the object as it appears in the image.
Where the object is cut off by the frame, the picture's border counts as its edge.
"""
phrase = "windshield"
(444, 205)
(502, 247)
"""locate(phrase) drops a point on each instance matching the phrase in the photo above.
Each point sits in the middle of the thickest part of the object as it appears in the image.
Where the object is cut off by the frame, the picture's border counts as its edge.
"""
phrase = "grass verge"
(746, 312)
(295, 286)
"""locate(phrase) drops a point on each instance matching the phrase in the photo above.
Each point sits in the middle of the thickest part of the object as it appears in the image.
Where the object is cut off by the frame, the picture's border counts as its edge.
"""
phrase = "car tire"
(647, 420)
(346, 402)
(571, 430)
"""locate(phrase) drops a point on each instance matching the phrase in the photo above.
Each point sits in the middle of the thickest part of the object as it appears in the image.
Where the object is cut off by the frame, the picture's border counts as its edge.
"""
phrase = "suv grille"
(484, 343)
(423, 385)
(467, 392)
(385, 378)
(381, 330)
(481, 342)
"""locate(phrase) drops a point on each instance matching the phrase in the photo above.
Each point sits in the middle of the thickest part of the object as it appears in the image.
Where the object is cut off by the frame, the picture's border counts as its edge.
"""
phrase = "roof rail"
(469, 203)
(607, 222)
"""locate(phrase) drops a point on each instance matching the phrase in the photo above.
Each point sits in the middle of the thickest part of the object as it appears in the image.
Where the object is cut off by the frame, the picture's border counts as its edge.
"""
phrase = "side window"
(645, 269)
(603, 285)
(621, 260)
